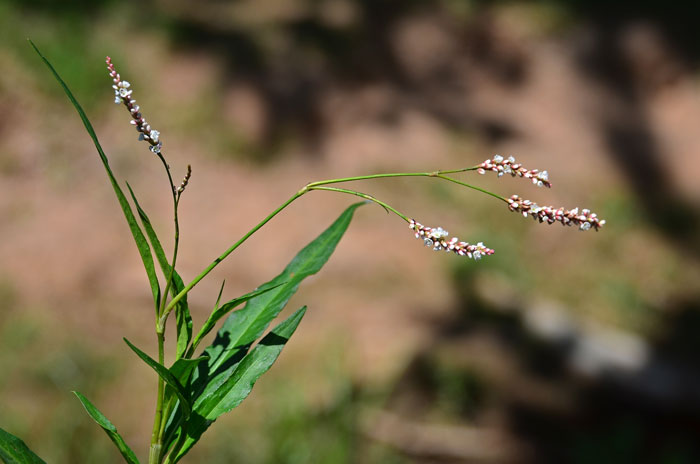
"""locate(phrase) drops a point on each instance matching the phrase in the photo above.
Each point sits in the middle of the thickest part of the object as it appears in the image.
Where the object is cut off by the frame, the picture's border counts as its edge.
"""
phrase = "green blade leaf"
(141, 243)
(109, 429)
(167, 377)
(182, 370)
(15, 451)
(221, 311)
(239, 385)
(243, 327)
(182, 312)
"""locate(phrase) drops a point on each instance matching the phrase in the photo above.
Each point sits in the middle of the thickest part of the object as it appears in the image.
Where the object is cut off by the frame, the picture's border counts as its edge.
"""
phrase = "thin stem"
(154, 451)
(157, 434)
(225, 254)
(392, 174)
(464, 184)
(365, 196)
(315, 186)
(176, 199)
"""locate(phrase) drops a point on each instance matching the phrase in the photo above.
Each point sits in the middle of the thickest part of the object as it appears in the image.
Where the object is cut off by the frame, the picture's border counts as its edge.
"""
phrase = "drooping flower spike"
(501, 166)
(436, 238)
(583, 219)
(122, 94)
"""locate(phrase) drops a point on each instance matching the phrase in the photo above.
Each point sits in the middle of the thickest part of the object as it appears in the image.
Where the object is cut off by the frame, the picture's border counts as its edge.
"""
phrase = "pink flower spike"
(122, 94)
(501, 166)
(436, 237)
(584, 220)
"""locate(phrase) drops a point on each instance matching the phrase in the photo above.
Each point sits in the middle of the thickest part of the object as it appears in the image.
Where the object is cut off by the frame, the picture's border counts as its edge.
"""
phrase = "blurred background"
(562, 347)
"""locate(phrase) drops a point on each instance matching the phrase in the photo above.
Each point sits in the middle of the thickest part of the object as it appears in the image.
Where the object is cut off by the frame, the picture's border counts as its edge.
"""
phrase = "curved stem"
(225, 254)
(474, 187)
(156, 435)
(392, 174)
(316, 186)
(366, 197)
(176, 200)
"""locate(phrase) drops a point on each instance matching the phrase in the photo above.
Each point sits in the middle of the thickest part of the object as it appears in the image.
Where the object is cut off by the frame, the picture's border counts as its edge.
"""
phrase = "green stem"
(158, 426)
(474, 187)
(392, 174)
(225, 254)
(176, 199)
(365, 196)
(155, 449)
(315, 186)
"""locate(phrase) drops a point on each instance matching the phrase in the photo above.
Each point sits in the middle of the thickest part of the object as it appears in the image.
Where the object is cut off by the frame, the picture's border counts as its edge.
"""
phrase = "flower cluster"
(584, 219)
(122, 94)
(437, 239)
(185, 180)
(501, 165)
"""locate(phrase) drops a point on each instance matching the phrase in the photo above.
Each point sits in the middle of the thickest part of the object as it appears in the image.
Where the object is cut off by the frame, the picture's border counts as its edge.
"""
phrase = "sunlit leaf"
(167, 377)
(238, 386)
(139, 238)
(109, 429)
(182, 311)
(15, 451)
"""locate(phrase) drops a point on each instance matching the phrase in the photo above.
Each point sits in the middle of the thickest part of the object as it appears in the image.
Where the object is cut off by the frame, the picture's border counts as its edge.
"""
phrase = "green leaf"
(15, 451)
(239, 385)
(182, 369)
(221, 311)
(182, 312)
(109, 429)
(246, 325)
(141, 243)
(167, 377)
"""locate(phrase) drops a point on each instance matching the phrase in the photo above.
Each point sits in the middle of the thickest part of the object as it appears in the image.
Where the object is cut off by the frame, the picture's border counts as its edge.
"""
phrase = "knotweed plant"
(202, 384)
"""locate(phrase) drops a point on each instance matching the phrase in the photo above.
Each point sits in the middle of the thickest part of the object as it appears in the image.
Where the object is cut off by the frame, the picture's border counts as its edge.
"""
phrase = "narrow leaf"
(182, 312)
(239, 385)
(109, 429)
(141, 243)
(243, 327)
(182, 370)
(167, 377)
(221, 311)
(15, 451)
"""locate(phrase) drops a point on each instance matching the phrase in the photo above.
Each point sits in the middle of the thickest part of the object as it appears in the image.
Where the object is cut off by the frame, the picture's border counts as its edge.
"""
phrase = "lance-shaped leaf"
(182, 370)
(221, 311)
(141, 243)
(246, 325)
(15, 451)
(167, 377)
(182, 311)
(238, 386)
(109, 429)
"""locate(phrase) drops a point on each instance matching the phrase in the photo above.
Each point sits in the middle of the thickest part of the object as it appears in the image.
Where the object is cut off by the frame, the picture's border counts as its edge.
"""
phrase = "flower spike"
(584, 219)
(501, 165)
(122, 94)
(437, 239)
(185, 180)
